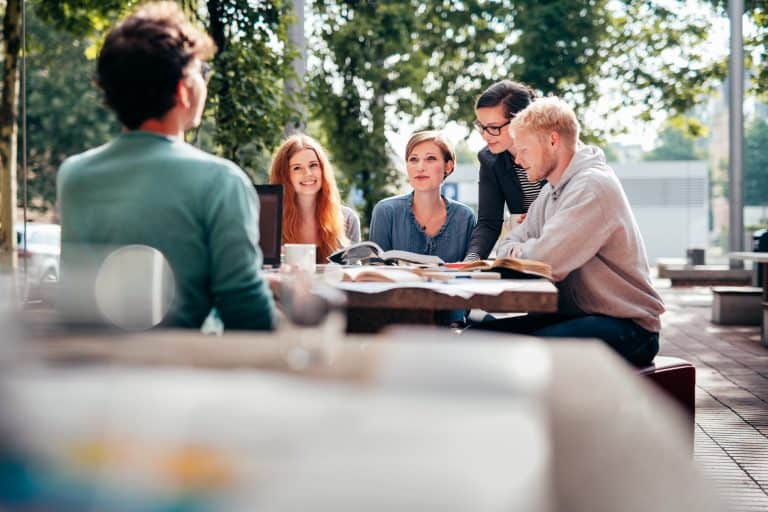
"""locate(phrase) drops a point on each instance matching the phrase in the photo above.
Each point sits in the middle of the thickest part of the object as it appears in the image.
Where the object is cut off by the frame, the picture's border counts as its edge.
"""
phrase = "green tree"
(755, 42)
(248, 107)
(246, 110)
(676, 141)
(756, 164)
(657, 60)
(383, 61)
(675, 145)
(65, 112)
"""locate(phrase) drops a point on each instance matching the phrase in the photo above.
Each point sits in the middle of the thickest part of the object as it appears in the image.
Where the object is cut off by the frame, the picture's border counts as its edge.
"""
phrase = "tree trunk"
(294, 85)
(8, 133)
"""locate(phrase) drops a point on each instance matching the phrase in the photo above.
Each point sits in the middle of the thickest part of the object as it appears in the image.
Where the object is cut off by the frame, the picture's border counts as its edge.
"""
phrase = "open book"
(371, 253)
(510, 268)
(382, 274)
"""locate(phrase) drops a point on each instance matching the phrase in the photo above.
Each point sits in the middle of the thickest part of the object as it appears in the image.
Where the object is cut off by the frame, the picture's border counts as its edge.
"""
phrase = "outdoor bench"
(708, 275)
(736, 305)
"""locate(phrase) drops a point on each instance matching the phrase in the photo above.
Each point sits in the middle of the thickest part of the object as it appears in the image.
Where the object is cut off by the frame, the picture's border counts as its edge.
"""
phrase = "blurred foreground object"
(409, 420)
(130, 287)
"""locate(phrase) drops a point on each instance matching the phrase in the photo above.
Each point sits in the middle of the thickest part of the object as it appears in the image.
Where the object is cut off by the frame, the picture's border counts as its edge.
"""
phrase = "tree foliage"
(755, 42)
(383, 61)
(80, 18)
(675, 145)
(247, 109)
(676, 141)
(657, 57)
(65, 112)
(376, 63)
(247, 101)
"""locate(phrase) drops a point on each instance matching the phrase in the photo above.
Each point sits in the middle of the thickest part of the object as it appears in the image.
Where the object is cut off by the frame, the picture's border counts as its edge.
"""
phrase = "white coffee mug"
(300, 256)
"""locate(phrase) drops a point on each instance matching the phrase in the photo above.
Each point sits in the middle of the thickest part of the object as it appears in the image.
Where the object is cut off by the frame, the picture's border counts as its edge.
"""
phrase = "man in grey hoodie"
(582, 225)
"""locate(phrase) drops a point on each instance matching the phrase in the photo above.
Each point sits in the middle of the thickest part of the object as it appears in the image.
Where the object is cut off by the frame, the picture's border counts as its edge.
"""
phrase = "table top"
(426, 422)
(418, 426)
(761, 257)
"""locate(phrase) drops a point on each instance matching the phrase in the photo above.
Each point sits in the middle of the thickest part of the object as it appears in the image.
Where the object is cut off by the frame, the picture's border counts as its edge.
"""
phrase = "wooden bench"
(664, 264)
(708, 275)
(736, 305)
(677, 379)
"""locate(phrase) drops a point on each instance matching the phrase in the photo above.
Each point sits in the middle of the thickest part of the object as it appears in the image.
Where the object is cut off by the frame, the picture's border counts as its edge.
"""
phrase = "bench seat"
(708, 275)
(736, 305)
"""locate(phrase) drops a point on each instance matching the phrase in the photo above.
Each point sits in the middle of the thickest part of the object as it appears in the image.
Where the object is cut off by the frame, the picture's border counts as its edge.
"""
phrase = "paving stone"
(731, 436)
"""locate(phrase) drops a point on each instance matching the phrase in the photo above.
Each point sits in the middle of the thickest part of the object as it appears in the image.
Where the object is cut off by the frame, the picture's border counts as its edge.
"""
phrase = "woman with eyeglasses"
(502, 181)
(312, 209)
(424, 221)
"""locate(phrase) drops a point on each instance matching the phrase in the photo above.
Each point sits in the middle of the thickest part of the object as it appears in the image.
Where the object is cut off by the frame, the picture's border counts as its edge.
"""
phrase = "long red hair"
(330, 221)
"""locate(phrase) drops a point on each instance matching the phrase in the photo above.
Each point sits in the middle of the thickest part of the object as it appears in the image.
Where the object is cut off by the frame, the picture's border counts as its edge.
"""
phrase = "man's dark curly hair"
(144, 57)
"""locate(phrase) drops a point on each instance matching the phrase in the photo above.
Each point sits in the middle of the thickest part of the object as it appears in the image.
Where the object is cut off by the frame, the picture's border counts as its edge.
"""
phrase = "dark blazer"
(498, 185)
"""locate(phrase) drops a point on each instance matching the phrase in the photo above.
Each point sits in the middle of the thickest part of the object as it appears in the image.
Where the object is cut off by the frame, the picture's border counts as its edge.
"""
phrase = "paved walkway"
(731, 443)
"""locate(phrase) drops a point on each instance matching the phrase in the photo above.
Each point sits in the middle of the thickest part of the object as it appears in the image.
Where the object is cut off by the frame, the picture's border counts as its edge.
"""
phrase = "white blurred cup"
(300, 257)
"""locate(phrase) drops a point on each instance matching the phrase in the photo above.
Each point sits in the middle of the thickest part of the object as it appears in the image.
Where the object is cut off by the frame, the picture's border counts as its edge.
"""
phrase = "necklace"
(427, 225)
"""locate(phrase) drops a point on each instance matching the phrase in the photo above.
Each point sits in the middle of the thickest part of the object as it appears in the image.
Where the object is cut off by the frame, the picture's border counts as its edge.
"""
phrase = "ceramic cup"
(300, 256)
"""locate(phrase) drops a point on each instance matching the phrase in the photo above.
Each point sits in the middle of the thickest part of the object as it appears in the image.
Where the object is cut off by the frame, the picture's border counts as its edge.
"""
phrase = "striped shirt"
(530, 190)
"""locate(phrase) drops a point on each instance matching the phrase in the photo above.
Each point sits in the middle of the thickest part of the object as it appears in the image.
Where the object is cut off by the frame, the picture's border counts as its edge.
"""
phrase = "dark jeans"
(631, 341)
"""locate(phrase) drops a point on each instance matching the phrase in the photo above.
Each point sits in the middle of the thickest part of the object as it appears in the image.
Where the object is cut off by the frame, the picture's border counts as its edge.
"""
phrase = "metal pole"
(294, 86)
(736, 132)
(24, 142)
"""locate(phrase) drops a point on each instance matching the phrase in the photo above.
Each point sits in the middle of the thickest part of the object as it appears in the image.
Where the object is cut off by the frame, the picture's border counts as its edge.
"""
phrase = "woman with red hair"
(312, 210)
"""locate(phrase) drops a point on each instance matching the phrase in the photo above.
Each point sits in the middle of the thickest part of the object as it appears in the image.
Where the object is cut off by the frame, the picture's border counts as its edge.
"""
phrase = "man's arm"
(517, 234)
(571, 237)
(240, 294)
(490, 215)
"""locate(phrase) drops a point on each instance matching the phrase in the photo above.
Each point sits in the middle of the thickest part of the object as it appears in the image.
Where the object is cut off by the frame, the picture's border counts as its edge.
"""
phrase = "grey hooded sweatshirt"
(584, 228)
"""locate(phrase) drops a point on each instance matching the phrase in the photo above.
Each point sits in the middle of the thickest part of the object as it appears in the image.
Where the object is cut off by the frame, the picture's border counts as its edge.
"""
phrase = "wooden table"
(372, 306)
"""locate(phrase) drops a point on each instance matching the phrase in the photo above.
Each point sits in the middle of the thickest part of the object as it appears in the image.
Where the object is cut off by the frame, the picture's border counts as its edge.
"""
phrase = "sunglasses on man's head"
(491, 129)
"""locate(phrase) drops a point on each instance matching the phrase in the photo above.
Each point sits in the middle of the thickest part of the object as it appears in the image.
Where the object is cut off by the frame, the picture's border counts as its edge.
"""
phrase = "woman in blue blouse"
(424, 221)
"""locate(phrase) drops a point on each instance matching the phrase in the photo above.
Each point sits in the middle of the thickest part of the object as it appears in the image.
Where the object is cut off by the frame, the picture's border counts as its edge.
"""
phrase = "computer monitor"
(270, 222)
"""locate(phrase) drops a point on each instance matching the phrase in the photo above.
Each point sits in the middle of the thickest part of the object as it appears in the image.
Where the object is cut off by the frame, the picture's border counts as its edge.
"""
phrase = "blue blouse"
(393, 226)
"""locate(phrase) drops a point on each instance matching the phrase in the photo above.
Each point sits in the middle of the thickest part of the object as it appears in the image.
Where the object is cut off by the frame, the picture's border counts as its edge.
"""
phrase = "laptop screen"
(270, 222)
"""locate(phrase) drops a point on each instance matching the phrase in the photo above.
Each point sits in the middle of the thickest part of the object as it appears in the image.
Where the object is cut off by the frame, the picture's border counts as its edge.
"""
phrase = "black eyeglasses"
(492, 130)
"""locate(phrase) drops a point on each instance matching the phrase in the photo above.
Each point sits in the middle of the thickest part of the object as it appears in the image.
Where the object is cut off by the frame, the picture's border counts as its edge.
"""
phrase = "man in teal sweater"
(149, 187)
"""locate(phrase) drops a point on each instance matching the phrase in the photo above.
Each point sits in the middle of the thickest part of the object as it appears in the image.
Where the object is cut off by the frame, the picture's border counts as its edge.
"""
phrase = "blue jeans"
(632, 342)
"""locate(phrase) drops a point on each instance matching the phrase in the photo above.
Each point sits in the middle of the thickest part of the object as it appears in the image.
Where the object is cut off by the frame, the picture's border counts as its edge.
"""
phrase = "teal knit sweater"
(199, 210)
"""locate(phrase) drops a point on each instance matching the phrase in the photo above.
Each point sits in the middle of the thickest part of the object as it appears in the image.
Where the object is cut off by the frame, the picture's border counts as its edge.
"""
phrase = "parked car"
(39, 260)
